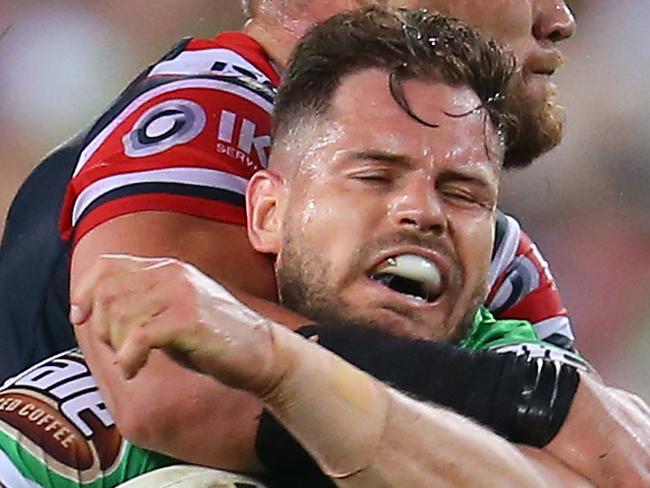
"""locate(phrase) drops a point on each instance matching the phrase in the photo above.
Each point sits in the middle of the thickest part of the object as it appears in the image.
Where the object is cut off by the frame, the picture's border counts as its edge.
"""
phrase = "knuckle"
(184, 312)
(119, 316)
(104, 296)
(141, 338)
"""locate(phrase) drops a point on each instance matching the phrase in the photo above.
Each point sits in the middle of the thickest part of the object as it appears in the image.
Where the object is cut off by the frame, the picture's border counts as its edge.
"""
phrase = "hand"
(606, 436)
(138, 304)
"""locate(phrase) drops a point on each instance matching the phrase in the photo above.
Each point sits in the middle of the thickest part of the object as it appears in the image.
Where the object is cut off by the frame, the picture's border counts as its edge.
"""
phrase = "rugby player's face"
(389, 223)
(531, 30)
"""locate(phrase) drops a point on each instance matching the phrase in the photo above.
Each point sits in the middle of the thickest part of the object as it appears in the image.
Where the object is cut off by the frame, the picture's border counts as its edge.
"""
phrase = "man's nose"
(419, 208)
(553, 21)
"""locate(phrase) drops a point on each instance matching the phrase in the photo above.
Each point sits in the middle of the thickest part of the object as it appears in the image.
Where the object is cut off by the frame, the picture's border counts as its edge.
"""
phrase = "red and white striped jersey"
(184, 137)
(190, 131)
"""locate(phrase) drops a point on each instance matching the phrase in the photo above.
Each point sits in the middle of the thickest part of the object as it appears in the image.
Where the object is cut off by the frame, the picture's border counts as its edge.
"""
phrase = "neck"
(277, 35)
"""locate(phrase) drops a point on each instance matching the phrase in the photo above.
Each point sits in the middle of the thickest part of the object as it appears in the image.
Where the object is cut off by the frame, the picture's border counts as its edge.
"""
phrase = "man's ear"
(263, 211)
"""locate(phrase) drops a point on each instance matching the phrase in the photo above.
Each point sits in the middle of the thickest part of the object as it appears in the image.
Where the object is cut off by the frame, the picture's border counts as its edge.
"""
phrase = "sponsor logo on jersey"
(55, 411)
(240, 144)
(164, 126)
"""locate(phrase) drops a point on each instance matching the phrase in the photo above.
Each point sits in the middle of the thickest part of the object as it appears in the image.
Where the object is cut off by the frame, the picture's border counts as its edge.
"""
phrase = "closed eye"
(373, 178)
(372, 174)
(460, 195)
(467, 189)
(474, 197)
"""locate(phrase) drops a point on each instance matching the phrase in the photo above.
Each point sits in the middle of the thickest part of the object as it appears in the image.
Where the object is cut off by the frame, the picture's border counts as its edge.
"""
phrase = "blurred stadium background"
(586, 204)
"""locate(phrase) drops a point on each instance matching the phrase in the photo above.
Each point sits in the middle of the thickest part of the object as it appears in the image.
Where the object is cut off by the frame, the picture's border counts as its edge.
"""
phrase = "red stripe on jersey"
(197, 207)
(496, 287)
(229, 133)
(529, 249)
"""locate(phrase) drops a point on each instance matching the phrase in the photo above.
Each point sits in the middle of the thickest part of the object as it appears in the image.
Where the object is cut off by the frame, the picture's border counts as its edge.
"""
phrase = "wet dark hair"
(407, 44)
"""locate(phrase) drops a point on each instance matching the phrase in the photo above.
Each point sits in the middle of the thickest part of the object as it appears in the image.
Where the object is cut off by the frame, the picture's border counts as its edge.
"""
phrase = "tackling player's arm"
(383, 438)
(162, 179)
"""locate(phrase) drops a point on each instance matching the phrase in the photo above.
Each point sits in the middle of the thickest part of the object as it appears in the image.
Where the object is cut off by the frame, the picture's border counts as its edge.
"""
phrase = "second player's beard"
(303, 288)
(540, 129)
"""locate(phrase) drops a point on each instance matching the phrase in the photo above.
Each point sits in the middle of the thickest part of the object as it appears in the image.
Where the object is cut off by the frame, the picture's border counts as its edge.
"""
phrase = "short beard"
(541, 126)
(304, 289)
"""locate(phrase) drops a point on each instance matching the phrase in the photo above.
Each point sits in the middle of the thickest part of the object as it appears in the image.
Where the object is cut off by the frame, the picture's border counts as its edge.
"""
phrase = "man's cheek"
(475, 245)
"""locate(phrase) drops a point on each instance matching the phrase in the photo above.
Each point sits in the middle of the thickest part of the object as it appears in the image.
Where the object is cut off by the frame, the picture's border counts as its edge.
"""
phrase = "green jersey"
(517, 337)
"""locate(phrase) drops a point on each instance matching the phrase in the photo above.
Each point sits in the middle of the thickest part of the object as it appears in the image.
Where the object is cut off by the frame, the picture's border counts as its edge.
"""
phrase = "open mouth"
(413, 276)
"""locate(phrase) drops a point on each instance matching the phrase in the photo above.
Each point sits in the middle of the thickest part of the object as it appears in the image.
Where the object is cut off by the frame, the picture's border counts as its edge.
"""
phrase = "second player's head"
(531, 29)
(390, 130)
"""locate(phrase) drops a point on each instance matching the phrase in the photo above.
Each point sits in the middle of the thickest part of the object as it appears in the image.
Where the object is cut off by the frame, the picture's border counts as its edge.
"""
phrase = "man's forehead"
(368, 92)
(364, 100)
(369, 118)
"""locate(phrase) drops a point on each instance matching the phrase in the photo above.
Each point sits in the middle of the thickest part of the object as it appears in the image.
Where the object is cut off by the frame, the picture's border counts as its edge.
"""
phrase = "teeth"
(415, 268)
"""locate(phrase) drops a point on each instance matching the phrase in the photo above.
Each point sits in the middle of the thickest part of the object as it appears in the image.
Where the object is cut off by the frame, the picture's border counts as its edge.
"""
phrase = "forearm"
(363, 433)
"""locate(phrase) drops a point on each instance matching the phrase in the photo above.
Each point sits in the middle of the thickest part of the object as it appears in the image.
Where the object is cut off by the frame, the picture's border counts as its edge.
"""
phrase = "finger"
(82, 296)
(127, 300)
(134, 309)
(105, 294)
(132, 355)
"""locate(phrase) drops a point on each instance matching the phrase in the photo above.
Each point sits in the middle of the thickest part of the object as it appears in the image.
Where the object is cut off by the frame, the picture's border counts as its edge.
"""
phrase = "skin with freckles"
(366, 192)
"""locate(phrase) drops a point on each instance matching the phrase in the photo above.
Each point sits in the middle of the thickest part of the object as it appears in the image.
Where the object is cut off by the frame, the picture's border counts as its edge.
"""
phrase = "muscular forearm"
(349, 421)
(363, 433)
(181, 309)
